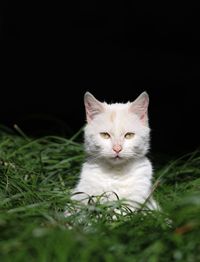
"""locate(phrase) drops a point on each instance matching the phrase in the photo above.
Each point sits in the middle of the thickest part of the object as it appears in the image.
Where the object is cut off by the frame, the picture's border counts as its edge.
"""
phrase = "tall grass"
(36, 176)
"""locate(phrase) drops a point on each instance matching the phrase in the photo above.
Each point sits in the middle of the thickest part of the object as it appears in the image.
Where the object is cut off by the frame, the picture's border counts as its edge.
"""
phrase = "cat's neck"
(106, 165)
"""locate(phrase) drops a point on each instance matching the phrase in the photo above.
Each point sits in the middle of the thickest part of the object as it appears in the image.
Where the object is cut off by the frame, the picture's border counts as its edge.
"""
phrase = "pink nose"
(117, 148)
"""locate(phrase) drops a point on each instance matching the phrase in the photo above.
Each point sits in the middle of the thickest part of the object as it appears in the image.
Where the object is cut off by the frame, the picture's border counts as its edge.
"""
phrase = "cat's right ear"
(140, 107)
(92, 106)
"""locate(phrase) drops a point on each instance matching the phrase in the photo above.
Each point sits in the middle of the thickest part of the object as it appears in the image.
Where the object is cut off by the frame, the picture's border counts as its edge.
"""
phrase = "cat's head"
(117, 132)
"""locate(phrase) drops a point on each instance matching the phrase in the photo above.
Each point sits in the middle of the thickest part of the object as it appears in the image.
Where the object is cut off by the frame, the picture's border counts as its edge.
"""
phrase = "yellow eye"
(129, 135)
(105, 135)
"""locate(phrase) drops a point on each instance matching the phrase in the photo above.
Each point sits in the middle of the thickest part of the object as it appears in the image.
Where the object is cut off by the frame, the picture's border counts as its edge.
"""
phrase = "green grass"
(35, 180)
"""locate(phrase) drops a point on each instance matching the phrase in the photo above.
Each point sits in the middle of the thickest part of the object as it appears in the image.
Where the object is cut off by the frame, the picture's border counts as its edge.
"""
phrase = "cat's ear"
(92, 106)
(140, 107)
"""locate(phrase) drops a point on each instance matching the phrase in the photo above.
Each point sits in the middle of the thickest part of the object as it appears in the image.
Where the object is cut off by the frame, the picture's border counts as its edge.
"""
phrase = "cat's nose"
(117, 148)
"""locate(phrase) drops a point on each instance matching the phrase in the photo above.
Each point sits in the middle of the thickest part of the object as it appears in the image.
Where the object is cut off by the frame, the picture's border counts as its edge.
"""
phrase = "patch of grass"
(36, 176)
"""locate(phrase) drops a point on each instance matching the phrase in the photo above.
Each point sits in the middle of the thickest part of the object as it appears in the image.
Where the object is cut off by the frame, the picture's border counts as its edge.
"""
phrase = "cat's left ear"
(140, 107)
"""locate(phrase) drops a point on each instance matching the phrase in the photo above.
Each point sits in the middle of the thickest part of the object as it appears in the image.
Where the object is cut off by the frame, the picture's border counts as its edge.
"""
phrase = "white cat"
(116, 142)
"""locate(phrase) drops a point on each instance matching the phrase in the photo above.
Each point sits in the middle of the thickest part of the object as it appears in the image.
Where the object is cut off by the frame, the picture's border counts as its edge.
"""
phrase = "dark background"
(52, 53)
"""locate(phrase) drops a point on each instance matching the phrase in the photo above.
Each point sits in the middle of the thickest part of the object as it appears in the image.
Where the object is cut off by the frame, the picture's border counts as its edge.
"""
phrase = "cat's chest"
(120, 181)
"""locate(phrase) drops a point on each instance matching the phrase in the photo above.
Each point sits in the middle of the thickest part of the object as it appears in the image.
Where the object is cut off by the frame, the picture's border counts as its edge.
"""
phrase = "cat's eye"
(105, 135)
(129, 135)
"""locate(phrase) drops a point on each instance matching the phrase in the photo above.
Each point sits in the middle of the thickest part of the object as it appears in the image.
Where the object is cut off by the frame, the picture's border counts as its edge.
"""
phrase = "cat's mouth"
(117, 157)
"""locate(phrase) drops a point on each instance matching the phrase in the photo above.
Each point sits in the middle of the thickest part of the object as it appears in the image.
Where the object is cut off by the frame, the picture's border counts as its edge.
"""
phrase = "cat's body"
(116, 142)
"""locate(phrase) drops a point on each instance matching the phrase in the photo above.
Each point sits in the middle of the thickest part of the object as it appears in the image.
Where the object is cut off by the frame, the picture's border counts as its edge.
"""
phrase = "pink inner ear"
(145, 103)
(88, 111)
(88, 107)
(140, 107)
(143, 117)
(92, 106)
(92, 110)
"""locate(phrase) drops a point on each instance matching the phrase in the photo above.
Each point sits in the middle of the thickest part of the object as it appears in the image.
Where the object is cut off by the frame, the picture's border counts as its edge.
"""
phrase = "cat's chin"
(117, 160)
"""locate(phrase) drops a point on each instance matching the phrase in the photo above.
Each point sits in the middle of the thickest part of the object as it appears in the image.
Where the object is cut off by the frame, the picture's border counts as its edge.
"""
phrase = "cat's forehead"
(117, 117)
(115, 110)
(117, 106)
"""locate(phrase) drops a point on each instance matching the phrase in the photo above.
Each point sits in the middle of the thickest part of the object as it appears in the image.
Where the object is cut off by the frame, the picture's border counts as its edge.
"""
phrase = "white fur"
(129, 176)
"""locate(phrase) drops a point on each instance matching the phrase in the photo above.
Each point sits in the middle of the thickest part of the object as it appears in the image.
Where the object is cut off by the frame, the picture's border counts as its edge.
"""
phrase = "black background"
(52, 53)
